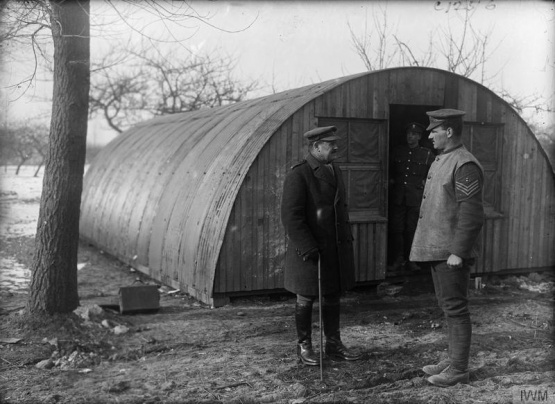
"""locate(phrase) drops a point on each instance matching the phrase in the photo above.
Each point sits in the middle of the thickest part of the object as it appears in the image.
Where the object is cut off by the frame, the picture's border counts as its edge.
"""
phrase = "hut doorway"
(399, 116)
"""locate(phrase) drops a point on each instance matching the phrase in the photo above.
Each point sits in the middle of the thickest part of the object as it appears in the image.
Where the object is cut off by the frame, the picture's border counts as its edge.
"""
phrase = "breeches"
(451, 288)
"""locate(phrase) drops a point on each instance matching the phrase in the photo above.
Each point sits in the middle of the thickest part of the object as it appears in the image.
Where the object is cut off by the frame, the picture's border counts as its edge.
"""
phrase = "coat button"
(420, 217)
(429, 177)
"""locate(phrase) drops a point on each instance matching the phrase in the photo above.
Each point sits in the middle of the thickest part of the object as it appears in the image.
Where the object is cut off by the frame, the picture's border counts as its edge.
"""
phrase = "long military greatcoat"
(314, 214)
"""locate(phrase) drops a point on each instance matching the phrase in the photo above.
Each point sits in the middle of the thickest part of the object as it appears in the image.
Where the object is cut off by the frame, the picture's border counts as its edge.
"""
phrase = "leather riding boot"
(457, 371)
(303, 321)
(443, 364)
(334, 347)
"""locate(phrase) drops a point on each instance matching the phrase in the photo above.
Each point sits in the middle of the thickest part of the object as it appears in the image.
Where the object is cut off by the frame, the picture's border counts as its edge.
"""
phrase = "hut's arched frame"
(193, 199)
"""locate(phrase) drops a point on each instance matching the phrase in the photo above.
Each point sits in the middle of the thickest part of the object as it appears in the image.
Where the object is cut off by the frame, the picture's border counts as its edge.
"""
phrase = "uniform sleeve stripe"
(469, 189)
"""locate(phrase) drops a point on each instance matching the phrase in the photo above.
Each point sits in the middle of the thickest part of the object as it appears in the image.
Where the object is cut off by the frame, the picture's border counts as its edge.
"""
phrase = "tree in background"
(15, 145)
(465, 53)
(24, 142)
(460, 48)
(53, 286)
(151, 83)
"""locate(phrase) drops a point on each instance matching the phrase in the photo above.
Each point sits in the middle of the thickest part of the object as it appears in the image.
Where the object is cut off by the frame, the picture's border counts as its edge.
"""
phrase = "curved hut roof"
(162, 192)
(159, 196)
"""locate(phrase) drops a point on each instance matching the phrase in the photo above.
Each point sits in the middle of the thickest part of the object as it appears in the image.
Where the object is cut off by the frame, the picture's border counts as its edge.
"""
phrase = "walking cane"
(320, 312)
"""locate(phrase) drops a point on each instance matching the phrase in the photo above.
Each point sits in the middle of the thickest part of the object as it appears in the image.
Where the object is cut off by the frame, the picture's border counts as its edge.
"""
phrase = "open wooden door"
(363, 150)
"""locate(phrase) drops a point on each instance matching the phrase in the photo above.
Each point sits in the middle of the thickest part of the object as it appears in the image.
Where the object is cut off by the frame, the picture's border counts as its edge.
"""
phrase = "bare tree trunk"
(38, 168)
(54, 270)
(19, 167)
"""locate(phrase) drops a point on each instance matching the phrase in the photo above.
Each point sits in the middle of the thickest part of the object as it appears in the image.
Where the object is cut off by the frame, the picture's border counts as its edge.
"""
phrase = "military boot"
(459, 343)
(441, 365)
(449, 377)
(303, 321)
(334, 347)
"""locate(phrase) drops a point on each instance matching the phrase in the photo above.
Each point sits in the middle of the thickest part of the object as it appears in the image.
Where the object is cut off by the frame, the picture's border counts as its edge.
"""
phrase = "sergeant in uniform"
(447, 237)
(315, 217)
(409, 167)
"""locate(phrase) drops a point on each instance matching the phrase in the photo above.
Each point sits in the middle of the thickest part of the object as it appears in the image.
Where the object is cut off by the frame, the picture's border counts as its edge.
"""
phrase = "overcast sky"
(288, 44)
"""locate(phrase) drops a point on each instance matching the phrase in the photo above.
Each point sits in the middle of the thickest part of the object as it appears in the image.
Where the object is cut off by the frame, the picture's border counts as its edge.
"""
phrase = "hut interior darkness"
(193, 199)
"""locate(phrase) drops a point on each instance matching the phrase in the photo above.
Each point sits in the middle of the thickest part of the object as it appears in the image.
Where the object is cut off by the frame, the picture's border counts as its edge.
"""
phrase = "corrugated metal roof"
(160, 194)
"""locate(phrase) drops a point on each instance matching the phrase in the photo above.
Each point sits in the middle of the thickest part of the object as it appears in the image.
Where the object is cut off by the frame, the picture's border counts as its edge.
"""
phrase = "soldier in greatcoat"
(316, 221)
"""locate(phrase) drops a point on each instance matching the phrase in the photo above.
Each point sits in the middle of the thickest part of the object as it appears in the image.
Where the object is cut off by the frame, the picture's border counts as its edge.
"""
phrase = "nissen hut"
(193, 199)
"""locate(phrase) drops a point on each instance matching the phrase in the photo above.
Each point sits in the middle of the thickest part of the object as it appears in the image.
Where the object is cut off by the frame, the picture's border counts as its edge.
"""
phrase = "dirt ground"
(244, 352)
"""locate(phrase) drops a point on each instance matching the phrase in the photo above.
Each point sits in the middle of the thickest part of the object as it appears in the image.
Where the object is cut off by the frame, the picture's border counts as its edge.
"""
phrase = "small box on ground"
(139, 299)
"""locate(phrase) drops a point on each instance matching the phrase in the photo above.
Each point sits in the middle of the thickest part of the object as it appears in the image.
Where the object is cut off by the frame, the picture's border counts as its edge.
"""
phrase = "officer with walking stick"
(319, 259)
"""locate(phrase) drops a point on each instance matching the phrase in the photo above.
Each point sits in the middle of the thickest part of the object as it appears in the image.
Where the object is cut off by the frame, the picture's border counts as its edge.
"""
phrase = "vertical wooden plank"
(467, 99)
(481, 105)
(488, 253)
(245, 232)
(507, 172)
(518, 196)
(253, 232)
(233, 273)
(536, 217)
(367, 250)
(279, 246)
(319, 106)
(336, 102)
(489, 108)
(225, 265)
(359, 97)
(345, 100)
(297, 138)
(439, 81)
(381, 94)
(370, 95)
(373, 249)
(392, 88)
(353, 100)
(356, 251)
(527, 180)
(290, 145)
(260, 220)
(269, 202)
(381, 229)
(451, 96)
(498, 263)
(269, 209)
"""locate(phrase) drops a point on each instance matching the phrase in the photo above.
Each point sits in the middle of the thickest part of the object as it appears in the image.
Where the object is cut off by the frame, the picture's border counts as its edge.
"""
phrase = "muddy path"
(245, 352)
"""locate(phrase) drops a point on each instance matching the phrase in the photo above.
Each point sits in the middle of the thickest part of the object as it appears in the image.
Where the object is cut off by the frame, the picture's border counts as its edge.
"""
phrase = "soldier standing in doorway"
(316, 221)
(409, 167)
